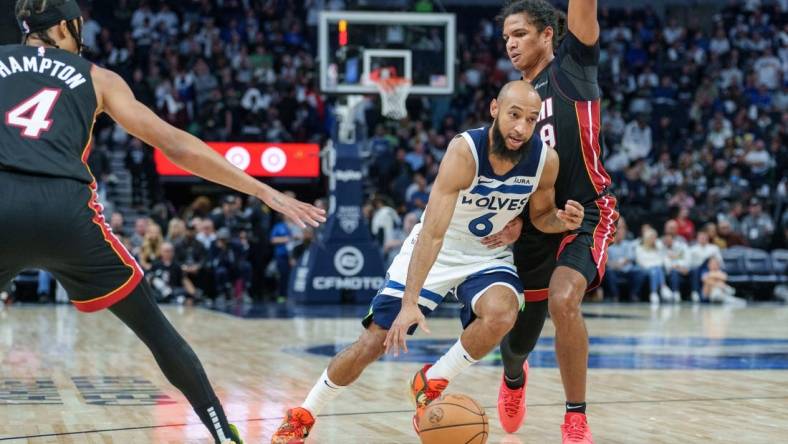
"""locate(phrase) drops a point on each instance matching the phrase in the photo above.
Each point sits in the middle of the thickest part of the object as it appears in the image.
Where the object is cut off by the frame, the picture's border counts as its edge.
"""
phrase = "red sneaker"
(511, 404)
(295, 427)
(424, 391)
(575, 429)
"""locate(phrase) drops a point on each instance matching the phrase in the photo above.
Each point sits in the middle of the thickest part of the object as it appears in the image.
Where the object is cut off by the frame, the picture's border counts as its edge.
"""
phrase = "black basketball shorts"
(537, 254)
(56, 224)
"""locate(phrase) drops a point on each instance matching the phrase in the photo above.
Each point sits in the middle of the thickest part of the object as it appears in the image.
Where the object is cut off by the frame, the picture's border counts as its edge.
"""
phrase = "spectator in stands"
(757, 227)
(636, 142)
(676, 264)
(760, 163)
(230, 267)
(417, 194)
(167, 278)
(151, 246)
(715, 285)
(207, 233)
(622, 265)
(139, 162)
(138, 237)
(281, 236)
(671, 228)
(192, 256)
(728, 236)
(303, 247)
(176, 231)
(684, 226)
(116, 223)
(699, 255)
(230, 215)
(651, 258)
(385, 221)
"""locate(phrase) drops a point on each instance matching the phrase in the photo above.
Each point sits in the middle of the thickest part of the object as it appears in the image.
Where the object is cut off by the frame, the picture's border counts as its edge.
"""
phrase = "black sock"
(576, 407)
(515, 383)
(521, 340)
(175, 357)
(212, 415)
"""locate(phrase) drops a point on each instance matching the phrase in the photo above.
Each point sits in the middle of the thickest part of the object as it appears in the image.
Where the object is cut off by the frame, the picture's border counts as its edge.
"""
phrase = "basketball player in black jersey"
(563, 69)
(49, 215)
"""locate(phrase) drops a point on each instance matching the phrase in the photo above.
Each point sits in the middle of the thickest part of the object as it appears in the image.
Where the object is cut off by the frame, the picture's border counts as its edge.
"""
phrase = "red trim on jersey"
(131, 283)
(535, 295)
(603, 235)
(564, 242)
(109, 299)
(588, 126)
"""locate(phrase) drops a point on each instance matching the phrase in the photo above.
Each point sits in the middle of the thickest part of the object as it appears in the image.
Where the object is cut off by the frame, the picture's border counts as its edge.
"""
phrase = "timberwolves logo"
(625, 352)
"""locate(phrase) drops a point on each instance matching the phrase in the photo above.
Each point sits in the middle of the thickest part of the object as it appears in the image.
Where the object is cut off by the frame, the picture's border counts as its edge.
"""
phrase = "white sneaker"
(695, 297)
(734, 301)
(666, 294)
(676, 296)
(654, 298)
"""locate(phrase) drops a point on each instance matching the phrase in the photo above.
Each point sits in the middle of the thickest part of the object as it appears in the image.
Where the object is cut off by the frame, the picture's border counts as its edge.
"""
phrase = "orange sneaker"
(425, 391)
(511, 404)
(295, 427)
(575, 429)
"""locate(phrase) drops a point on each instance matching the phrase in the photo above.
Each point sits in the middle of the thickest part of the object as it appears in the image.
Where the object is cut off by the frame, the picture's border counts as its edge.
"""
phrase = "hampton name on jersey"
(464, 264)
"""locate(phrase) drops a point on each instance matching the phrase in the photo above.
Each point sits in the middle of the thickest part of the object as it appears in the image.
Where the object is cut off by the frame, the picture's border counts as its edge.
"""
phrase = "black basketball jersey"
(48, 105)
(569, 122)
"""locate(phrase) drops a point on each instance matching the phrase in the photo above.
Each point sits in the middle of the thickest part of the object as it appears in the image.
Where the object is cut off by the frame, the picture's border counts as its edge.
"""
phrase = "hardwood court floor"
(671, 375)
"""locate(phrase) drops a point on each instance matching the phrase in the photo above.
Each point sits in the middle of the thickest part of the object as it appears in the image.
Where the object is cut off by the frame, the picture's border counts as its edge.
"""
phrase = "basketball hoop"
(394, 92)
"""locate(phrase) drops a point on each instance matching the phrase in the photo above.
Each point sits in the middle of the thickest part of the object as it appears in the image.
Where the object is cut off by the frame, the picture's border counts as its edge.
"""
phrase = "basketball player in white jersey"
(485, 181)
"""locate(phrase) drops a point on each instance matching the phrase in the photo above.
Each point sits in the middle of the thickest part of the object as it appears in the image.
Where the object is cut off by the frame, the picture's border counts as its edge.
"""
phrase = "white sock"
(452, 363)
(321, 394)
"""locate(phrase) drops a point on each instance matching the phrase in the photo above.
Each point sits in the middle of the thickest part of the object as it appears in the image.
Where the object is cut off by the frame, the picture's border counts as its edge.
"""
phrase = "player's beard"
(500, 150)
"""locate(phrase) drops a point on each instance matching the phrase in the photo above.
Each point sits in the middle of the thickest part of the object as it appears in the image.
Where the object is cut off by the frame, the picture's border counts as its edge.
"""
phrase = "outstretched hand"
(301, 213)
(572, 215)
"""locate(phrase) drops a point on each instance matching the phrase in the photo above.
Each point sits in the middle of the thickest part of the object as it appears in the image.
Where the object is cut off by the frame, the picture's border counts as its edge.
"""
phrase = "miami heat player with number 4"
(487, 177)
(49, 216)
(565, 266)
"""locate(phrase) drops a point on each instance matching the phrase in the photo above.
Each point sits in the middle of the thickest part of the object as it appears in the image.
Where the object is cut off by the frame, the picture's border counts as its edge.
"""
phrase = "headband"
(50, 17)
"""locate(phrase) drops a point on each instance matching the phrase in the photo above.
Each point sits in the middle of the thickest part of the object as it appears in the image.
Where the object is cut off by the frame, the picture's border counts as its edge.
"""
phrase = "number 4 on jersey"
(32, 115)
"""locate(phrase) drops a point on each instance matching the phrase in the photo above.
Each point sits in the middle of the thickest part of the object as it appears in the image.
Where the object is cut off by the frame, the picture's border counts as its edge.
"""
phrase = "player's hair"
(26, 8)
(540, 14)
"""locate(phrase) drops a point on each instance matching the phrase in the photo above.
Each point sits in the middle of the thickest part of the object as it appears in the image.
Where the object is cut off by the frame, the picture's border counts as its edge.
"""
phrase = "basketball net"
(393, 91)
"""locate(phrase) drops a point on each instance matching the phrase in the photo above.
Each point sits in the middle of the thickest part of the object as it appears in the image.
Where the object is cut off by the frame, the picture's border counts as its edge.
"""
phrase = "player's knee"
(564, 305)
(500, 320)
(371, 344)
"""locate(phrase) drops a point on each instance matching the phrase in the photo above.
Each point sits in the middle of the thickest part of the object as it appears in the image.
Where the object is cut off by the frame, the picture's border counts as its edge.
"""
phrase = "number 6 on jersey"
(32, 115)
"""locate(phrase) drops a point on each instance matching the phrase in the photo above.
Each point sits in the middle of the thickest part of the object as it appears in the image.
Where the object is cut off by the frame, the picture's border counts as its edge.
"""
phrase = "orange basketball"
(454, 419)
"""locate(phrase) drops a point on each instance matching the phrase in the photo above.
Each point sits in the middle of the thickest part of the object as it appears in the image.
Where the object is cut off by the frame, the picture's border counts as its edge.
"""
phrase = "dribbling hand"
(509, 234)
(301, 213)
(572, 215)
(408, 316)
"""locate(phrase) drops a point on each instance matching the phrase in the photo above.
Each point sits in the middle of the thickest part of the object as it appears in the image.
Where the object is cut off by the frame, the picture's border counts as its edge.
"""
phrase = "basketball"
(454, 419)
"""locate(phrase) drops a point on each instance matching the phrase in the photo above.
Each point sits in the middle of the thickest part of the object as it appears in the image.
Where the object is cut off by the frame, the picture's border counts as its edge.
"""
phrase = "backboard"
(419, 47)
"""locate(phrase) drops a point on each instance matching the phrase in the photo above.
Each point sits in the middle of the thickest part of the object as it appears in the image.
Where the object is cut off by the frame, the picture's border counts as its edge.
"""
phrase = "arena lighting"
(343, 33)
(258, 159)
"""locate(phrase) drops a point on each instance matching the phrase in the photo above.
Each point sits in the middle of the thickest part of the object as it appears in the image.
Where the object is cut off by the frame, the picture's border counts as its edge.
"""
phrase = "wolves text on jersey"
(495, 203)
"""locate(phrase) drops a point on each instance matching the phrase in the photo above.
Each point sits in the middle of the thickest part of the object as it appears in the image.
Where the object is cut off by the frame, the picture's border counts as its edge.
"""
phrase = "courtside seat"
(780, 264)
(758, 264)
(733, 264)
